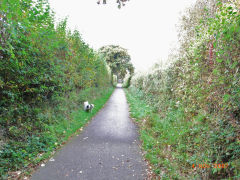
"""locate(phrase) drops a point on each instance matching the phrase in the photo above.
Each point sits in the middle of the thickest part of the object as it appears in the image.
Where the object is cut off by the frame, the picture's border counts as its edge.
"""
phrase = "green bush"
(40, 62)
(195, 100)
(46, 72)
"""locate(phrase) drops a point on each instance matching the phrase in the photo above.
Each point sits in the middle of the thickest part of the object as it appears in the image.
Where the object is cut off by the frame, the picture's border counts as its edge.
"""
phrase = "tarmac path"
(107, 148)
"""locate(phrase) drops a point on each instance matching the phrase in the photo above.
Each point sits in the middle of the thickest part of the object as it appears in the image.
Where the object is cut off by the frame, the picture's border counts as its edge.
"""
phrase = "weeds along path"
(108, 148)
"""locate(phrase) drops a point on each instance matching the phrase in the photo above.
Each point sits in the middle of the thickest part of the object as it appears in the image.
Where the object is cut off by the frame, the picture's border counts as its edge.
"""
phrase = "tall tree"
(119, 2)
(118, 60)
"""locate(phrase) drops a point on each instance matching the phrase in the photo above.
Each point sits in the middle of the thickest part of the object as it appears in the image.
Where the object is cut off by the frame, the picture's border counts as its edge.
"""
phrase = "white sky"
(145, 27)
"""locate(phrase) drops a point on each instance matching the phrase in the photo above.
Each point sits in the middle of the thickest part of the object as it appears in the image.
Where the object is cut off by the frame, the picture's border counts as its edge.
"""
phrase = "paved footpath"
(107, 149)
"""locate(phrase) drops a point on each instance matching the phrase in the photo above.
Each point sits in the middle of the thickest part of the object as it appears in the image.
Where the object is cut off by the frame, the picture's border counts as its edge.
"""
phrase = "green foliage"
(119, 2)
(127, 82)
(195, 102)
(118, 60)
(41, 67)
(173, 144)
(39, 62)
(66, 119)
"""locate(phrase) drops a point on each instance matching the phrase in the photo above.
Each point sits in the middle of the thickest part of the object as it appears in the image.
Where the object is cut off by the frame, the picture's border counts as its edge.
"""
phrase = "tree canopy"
(118, 60)
(119, 2)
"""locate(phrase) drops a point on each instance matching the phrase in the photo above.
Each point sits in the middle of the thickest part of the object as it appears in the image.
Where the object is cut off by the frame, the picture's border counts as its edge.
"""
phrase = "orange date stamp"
(214, 165)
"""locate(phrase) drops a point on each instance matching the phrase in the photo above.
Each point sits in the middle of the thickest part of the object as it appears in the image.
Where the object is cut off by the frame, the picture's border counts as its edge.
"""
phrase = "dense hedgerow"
(41, 65)
(39, 62)
(195, 102)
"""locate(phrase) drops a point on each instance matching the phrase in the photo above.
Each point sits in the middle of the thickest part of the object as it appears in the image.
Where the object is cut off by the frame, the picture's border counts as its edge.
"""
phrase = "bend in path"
(107, 149)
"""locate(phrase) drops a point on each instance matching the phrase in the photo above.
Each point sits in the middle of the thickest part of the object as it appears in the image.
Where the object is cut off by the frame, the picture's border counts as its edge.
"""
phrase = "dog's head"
(88, 106)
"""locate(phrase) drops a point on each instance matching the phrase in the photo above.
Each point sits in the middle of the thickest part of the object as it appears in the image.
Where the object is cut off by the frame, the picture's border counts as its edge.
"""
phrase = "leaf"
(219, 60)
(226, 97)
(215, 72)
(234, 65)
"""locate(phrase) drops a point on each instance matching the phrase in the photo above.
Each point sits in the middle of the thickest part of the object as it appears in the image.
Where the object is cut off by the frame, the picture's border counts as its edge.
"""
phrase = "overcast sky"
(145, 27)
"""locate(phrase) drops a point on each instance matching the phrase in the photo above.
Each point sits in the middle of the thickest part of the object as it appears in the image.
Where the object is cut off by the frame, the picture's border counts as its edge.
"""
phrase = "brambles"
(195, 100)
(42, 67)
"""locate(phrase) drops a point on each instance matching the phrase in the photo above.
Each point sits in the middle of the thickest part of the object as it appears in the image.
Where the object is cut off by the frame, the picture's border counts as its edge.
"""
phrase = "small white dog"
(88, 107)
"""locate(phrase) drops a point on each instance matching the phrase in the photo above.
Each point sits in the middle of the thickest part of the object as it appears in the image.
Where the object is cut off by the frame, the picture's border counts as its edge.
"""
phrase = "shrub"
(196, 98)
(46, 71)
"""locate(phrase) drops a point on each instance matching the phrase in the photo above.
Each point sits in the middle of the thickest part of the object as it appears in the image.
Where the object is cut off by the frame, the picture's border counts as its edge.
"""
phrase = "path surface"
(107, 149)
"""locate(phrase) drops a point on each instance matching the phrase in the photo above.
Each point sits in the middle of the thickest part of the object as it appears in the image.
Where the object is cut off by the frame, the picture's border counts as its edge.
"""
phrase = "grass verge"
(19, 159)
(173, 144)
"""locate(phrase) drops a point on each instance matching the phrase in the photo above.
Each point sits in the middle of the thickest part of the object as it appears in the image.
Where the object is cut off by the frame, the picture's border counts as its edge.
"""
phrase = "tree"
(120, 2)
(118, 60)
